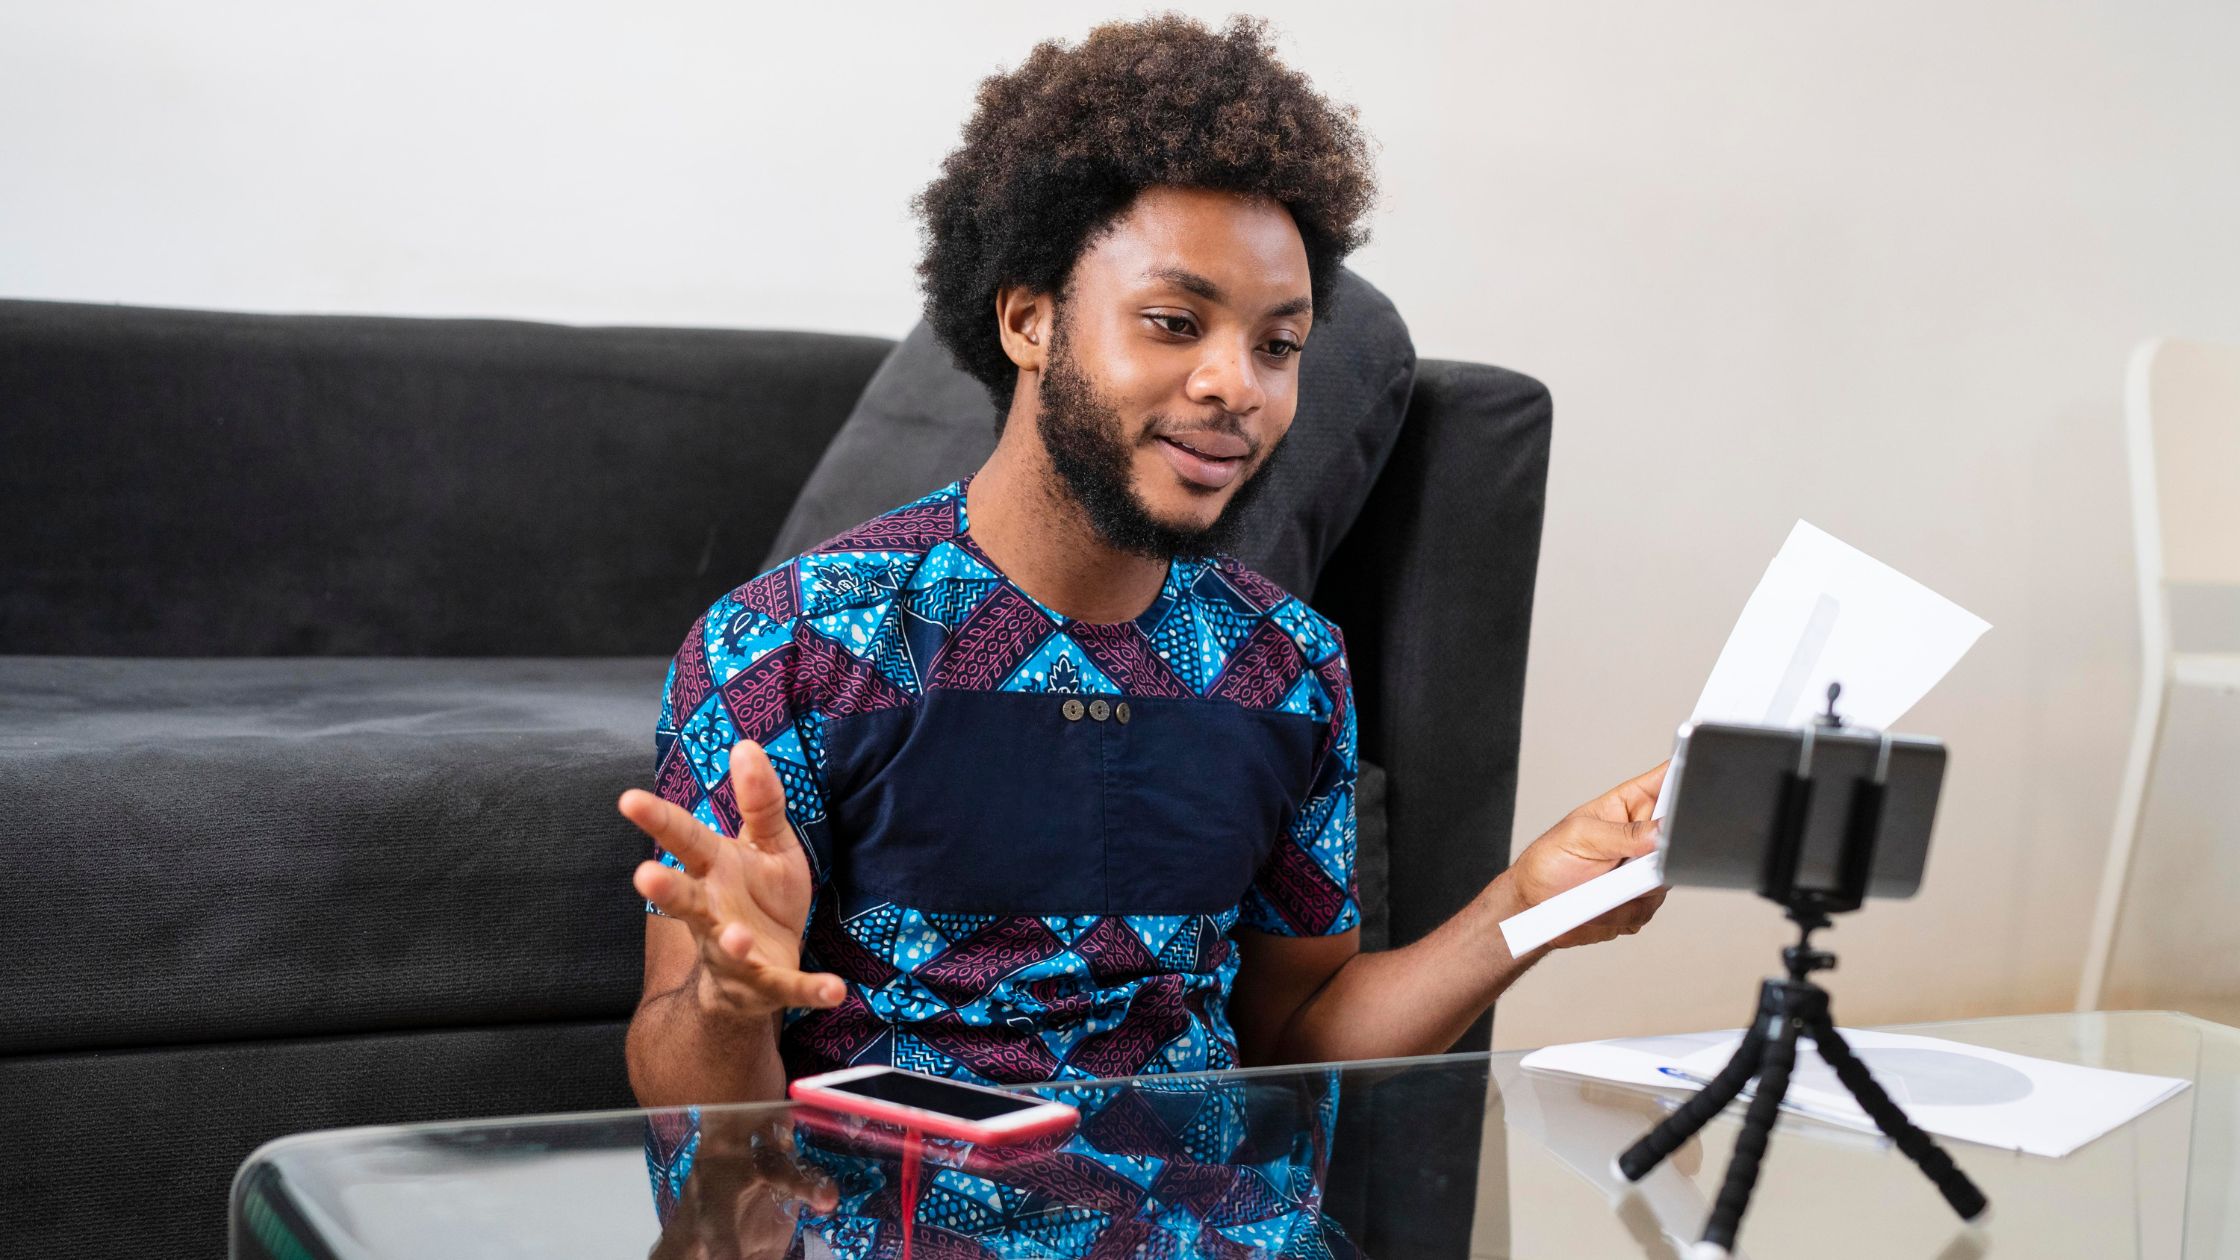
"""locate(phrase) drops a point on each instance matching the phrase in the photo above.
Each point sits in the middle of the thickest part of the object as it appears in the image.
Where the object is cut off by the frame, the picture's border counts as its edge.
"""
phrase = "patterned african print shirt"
(1031, 837)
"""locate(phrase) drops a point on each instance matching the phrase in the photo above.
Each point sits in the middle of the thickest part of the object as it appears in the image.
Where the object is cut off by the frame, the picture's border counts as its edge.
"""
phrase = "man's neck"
(1041, 538)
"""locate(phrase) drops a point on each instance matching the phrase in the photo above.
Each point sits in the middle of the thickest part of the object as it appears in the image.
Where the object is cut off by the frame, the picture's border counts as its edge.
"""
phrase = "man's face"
(1173, 372)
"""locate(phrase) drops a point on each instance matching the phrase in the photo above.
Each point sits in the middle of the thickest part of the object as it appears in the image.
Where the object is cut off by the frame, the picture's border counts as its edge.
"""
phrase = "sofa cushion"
(229, 849)
(923, 422)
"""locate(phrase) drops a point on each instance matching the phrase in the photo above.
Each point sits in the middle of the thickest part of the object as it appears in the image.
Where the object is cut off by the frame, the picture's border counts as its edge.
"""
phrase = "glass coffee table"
(1454, 1155)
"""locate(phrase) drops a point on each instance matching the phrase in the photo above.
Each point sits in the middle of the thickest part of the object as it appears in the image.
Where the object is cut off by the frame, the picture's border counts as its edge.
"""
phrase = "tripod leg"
(1697, 1111)
(1750, 1148)
(1953, 1184)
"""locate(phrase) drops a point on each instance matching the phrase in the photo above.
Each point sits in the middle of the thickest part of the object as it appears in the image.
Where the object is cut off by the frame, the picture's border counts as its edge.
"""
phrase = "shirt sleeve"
(735, 678)
(1306, 887)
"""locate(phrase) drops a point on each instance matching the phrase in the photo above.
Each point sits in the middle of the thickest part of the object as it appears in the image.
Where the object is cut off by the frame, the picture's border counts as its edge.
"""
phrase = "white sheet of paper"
(1824, 611)
(1964, 1092)
(1827, 612)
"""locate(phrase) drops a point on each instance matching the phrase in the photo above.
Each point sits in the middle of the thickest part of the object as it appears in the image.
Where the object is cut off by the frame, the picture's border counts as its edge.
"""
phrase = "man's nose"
(1228, 378)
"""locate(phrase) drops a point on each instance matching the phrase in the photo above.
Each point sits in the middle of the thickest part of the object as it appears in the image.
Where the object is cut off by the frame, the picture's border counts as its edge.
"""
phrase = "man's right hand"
(1592, 840)
(745, 899)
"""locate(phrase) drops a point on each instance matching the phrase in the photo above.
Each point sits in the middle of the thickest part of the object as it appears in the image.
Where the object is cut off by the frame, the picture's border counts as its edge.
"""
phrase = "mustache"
(1225, 424)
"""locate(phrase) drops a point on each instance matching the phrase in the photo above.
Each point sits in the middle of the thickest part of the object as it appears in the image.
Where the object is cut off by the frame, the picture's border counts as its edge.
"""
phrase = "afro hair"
(1056, 150)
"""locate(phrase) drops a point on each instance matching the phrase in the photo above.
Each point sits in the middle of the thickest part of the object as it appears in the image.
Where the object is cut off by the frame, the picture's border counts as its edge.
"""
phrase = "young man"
(1025, 780)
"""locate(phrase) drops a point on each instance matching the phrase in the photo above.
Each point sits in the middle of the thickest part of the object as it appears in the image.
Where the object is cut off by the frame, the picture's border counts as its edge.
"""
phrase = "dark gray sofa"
(327, 643)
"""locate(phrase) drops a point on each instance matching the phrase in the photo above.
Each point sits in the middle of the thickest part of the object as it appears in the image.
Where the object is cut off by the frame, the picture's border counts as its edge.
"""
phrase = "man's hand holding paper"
(1823, 612)
(1592, 841)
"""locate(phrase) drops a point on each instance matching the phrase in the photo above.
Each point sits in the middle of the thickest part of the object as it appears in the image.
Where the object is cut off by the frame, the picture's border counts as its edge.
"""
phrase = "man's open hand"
(745, 899)
(1593, 839)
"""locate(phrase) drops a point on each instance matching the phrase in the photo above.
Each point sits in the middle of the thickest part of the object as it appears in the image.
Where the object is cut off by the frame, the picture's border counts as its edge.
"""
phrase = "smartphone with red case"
(935, 1105)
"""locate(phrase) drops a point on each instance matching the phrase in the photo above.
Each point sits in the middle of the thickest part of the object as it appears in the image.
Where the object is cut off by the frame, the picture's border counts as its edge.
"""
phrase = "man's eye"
(1169, 323)
(1284, 349)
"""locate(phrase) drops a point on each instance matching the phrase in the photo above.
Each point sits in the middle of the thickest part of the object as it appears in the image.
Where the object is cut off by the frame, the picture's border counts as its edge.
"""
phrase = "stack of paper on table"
(1824, 612)
(1969, 1093)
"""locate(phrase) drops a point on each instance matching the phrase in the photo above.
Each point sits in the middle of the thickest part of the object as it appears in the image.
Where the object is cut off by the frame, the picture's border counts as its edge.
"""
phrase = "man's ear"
(1024, 318)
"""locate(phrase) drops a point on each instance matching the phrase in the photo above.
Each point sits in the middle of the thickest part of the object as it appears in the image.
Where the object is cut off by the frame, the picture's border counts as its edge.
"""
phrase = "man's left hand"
(1592, 839)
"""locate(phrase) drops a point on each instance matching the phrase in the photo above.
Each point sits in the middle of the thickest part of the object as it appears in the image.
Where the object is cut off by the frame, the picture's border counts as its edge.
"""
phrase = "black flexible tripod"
(1788, 1007)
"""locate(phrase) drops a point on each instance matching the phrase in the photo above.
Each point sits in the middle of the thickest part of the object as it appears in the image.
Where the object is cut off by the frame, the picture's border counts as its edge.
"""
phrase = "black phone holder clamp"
(1793, 1006)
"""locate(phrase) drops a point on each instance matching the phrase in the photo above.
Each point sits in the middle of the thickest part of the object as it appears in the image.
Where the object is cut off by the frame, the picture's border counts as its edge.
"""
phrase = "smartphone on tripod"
(1728, 782)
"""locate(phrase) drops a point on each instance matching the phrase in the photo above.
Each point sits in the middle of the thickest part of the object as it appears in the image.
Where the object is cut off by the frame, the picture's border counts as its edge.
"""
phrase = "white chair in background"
(2182, 429)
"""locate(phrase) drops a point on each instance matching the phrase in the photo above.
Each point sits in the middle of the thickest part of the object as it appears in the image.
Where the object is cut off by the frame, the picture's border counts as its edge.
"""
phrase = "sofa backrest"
(194, 483)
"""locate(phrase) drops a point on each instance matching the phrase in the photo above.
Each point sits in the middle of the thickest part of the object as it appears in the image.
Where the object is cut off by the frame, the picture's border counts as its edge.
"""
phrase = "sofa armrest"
(1433, 590)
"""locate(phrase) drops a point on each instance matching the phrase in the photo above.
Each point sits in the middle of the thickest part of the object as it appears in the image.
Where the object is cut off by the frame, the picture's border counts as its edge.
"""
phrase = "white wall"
(1877, 265)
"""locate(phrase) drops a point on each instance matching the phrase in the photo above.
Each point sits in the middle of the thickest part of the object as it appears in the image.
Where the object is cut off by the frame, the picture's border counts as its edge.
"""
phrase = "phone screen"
(928, 1093)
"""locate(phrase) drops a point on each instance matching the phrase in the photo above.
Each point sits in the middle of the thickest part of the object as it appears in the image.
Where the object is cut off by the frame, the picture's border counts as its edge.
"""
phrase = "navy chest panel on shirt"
(994, 802)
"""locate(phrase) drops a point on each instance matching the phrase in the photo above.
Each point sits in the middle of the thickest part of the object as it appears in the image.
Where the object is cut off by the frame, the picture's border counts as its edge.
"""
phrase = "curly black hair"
(1057, 149)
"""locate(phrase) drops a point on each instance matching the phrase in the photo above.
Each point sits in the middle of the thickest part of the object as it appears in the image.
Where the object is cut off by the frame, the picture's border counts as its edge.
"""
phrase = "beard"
(1088, 446)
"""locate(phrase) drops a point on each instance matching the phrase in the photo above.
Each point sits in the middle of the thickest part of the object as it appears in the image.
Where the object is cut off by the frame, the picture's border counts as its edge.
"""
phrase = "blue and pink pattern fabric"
(1031, 837)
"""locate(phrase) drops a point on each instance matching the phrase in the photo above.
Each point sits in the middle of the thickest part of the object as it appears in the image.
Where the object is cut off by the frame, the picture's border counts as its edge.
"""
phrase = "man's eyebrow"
(1192, 282)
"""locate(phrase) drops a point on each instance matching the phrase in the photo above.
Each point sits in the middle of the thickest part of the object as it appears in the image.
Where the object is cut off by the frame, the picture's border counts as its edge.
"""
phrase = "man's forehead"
(1239, 250)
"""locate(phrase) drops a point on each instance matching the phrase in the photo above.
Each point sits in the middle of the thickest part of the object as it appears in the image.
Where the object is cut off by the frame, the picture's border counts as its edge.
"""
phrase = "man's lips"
(1211, 460)
(1207, 445)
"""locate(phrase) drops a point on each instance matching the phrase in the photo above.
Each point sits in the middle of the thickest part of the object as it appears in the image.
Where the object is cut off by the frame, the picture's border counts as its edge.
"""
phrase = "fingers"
(677, 894)
(728, 950)
(1603, 840)
(762, 814)
(1648, 783)
(1635, 798)
(786, 986)
(673, 828)
(735, 941)
(1630, 917)
(727, 946)
(1631, 801)
(1624, 920)
(762, 799)
(1635, 914)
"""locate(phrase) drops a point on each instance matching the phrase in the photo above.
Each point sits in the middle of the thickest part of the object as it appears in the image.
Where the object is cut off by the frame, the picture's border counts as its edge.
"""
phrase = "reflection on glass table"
(1187, 1165)
(1461, 1155)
